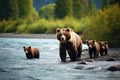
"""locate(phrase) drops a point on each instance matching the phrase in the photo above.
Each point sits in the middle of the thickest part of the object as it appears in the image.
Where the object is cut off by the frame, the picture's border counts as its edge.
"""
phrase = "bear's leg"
(62, 53)
(36, 56)
(79, 52)
(101, 52)
(90, 53)
(73, 54)
(29, 56)
(106, 51)
(95, 53)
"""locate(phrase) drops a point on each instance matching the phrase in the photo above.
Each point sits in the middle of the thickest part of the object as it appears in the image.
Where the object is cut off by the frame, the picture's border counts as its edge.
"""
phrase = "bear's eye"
(24, 47)
(68, 30)
(106, 42)
(57, 30)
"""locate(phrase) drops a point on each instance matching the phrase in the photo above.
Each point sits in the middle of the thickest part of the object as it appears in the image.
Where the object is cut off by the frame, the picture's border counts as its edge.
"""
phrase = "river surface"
(15, 66)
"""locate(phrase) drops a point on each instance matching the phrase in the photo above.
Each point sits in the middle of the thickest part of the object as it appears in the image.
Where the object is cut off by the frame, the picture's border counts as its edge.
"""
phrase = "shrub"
(21, 28)
(2, 26)
(10, 26)
(35, 28)
(105, 25)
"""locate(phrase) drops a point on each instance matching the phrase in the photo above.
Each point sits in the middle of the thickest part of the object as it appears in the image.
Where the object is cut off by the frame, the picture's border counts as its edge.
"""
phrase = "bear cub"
(93, 47)
(103, 48)
(69, 42)
(31, 52)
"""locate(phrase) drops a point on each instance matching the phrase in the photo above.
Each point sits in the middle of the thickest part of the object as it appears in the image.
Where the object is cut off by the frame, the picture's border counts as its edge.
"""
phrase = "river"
(15, 66)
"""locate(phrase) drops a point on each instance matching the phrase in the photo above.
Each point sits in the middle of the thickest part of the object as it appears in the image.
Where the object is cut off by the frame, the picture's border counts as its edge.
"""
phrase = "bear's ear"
(106, 42)
(23, 46)
(93, 41)
(29, 46)
(58, 30)
(68, 29)
(99, 42)
(86, 41)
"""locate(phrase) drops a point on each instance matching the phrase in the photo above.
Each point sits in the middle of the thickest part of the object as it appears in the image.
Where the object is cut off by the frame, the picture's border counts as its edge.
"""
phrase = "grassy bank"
(42, 25)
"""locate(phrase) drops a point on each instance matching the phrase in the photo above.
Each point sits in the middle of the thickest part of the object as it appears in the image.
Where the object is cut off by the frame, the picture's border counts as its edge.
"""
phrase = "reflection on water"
(15, 66)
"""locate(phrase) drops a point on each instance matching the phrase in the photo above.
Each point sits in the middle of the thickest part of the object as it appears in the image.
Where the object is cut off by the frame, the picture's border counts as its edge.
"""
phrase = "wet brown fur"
(32, 52)
(103, 48)
(94, 48)
(70, 42)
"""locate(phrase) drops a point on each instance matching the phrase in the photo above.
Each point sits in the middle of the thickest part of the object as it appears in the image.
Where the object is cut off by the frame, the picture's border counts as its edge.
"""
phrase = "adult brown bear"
(69, 41)
(93, 48)
(31, 52)
(103, 48)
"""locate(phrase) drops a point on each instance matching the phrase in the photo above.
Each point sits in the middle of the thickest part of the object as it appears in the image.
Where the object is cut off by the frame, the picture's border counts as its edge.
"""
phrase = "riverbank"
(110, 62)
(15, 35)
(113, 55)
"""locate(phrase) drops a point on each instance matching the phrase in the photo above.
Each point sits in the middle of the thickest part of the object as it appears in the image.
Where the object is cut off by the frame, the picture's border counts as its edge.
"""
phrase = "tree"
(63, 8)
(91, 7)
(25, 7)
(105, 3)
(8, 9)
(115, 1)
(47, 11)
(78, 8)
(13, 9)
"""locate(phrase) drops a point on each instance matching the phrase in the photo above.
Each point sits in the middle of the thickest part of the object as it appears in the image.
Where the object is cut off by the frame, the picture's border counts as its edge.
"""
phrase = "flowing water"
(15, 66)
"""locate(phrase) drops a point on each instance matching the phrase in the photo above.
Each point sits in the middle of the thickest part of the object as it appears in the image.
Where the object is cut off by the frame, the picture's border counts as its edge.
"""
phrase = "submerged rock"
(82, 63)
(79, 67)
(114, 68)
(90, 60)
(110, 59)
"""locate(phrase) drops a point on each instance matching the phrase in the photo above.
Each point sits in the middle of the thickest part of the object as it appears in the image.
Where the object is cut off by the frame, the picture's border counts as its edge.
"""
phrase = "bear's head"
(91, 43)
(27, 50)
(103, 44)
(63, 34)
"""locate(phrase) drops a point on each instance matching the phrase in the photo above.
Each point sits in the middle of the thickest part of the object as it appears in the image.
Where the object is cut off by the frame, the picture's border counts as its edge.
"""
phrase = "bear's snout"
(103, 47)
(90, 46)
(62, 37)
(26, 52)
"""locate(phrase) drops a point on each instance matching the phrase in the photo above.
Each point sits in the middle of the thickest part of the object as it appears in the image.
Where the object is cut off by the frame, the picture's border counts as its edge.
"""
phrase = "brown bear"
(31, 52)
(103, 48)
(69, 41)
(93, 48)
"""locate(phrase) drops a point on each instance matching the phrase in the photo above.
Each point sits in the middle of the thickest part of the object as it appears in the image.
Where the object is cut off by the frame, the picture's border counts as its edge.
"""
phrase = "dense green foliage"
(24, 8)
(8, 9)
(74, 8)
(16, 9)
(63, 8)
(78, 8)
(91, 7)
(105, 3)
(47, 11)
(105, 25)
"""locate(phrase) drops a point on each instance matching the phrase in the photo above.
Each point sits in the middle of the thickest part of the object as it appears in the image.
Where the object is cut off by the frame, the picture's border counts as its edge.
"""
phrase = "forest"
(19, 16)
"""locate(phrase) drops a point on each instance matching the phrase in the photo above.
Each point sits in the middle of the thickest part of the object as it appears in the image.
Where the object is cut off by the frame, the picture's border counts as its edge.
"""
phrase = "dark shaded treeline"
(15, 9)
